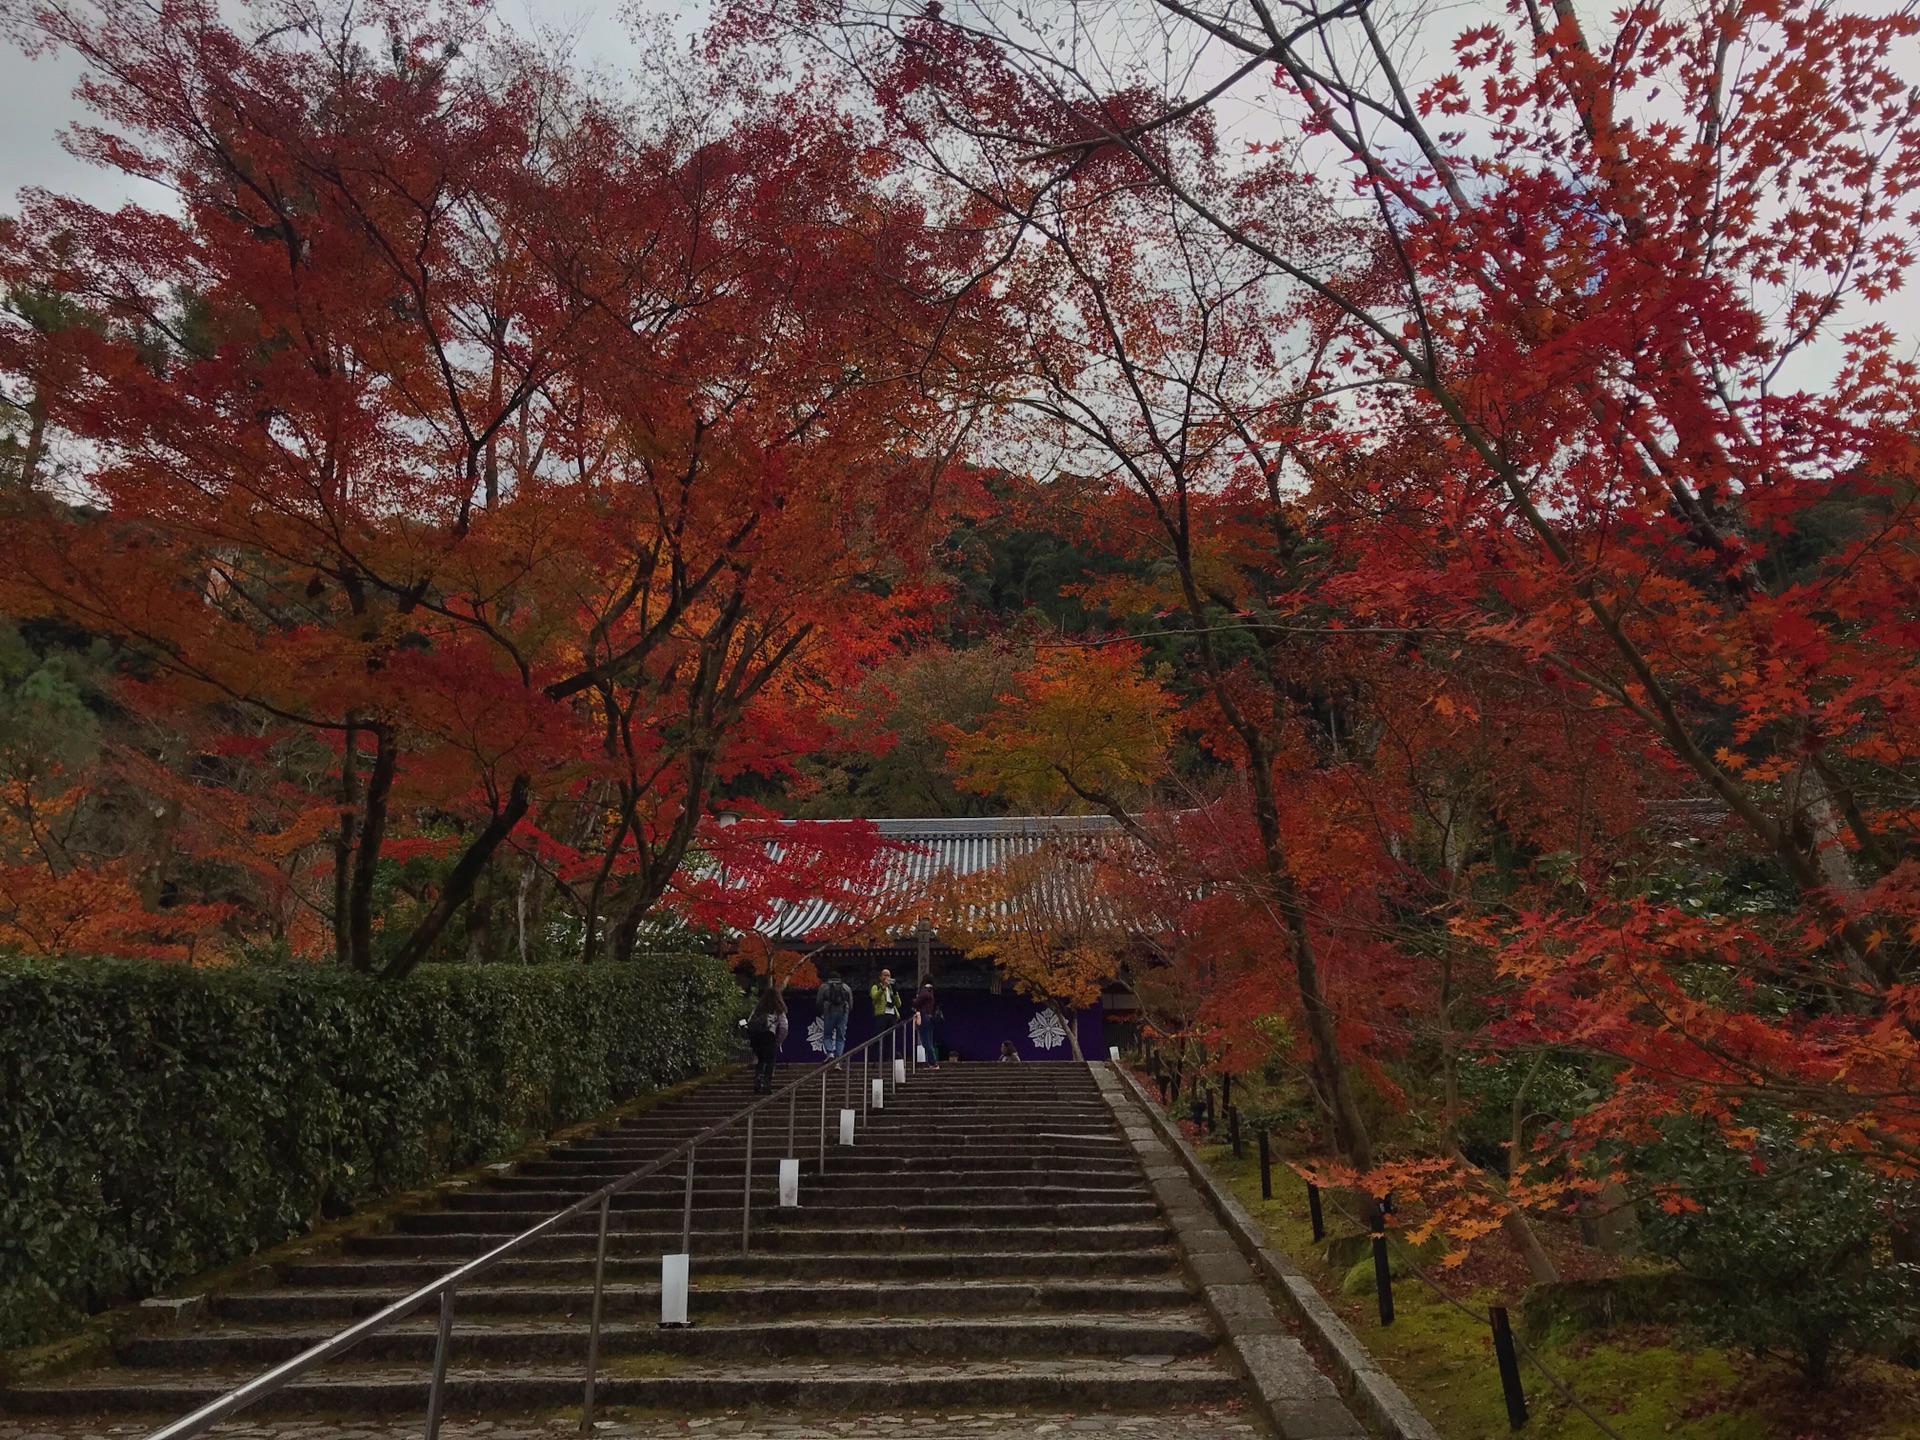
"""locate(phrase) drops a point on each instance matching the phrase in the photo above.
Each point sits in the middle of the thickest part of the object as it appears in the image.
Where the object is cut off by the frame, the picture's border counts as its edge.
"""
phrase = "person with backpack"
(836, 1007)
(766, 1033)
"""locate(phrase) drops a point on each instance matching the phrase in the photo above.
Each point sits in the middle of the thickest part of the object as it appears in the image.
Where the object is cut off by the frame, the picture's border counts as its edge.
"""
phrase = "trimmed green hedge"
(158, 1119)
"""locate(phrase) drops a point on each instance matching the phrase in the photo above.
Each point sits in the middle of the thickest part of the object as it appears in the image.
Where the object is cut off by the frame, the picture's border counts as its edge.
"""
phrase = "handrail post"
(746, 1189)
(866, 1090)
(593, 1329)
(437, 1391)
(686, 1214)
(823, 1122)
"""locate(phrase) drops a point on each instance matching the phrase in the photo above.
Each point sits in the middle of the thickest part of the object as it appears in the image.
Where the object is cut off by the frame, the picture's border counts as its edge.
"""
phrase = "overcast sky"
(36, 95)
(36, 101)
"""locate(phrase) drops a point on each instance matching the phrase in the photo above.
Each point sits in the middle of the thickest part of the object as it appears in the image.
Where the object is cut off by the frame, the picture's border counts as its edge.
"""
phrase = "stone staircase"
(990, 1242)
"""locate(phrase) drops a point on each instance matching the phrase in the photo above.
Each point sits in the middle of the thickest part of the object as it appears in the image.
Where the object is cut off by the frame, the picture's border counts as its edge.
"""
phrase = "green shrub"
(159, 1119)
(1788, 1243)
(1551, 1089)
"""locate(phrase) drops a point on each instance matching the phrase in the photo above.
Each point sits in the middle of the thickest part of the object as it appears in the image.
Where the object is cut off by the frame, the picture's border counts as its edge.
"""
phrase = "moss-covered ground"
(1644, 1383)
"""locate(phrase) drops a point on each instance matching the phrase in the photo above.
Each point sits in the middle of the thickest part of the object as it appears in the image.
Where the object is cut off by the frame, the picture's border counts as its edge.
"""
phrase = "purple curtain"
(976, 1024)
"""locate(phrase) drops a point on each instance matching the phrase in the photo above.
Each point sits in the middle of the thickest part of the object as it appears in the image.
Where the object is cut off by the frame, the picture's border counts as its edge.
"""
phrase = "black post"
(1509, 1366)
(1313, 1213)
(1233, 1128)
(1266, 1169)
(1383, 1277)
(1226, 1091)
(1210, 1117)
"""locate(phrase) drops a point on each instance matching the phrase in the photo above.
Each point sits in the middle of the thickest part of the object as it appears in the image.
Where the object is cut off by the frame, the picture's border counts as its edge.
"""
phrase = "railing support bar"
(686, 1213)
(593, 1327)
(437, 1391)
(746, 1190)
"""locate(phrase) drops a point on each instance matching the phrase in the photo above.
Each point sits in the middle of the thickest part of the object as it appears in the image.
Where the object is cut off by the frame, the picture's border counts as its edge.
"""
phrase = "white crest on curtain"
(1046, 1031)
(817, 1036)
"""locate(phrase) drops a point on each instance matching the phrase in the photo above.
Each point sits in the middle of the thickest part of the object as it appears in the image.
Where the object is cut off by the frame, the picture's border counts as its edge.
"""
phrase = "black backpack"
(835, 998)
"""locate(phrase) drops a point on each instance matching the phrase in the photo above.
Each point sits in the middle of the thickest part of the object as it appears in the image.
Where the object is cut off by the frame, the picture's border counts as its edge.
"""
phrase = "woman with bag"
(926, 1016)
(767, 1032)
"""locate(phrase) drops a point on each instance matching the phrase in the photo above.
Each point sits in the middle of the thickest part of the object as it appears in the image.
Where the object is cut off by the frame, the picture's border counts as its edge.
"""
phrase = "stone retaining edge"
(1384, 1402)
(1288, 1380)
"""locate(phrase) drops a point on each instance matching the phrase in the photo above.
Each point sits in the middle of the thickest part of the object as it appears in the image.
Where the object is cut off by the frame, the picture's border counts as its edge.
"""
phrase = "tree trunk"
(373, 830)
(480, 928)
(590, 921)
(523, 907)
(1069, 1022)
(1518, 1228)
(460, 883)
(1512, 1218)
(625, 933)
(1350, 1137)
(344, 842)
(36, 442)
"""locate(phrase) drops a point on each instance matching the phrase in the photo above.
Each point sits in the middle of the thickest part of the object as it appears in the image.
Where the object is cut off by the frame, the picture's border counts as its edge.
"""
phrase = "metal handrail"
(283, 1374)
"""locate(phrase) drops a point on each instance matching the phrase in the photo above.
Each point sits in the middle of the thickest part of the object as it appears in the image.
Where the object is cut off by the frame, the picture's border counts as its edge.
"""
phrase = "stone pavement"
(1228, 1422)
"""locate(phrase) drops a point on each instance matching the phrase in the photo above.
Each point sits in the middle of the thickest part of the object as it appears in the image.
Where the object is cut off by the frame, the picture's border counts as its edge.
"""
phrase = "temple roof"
(922, 854)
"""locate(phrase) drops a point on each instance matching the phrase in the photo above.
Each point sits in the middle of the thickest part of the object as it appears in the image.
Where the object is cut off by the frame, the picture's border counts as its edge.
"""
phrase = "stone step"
(1089, 1120)
(1026, 1161)
(829, 1209)
(1092, 1118)
(552, 1194)
(863, 1158)
(1147, 1383)
(895, 1125)
(861, 1174)
(492, 1341)
(955, 1111)
(851, 1239)
(958, 1110)
(929, 1152)
(857, 1158)
(414, 1271)
(777, 1297)
(815, 1208)
(545, 1197)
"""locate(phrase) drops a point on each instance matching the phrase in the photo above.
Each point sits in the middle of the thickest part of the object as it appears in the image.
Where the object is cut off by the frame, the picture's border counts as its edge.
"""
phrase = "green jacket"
(886, 999)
